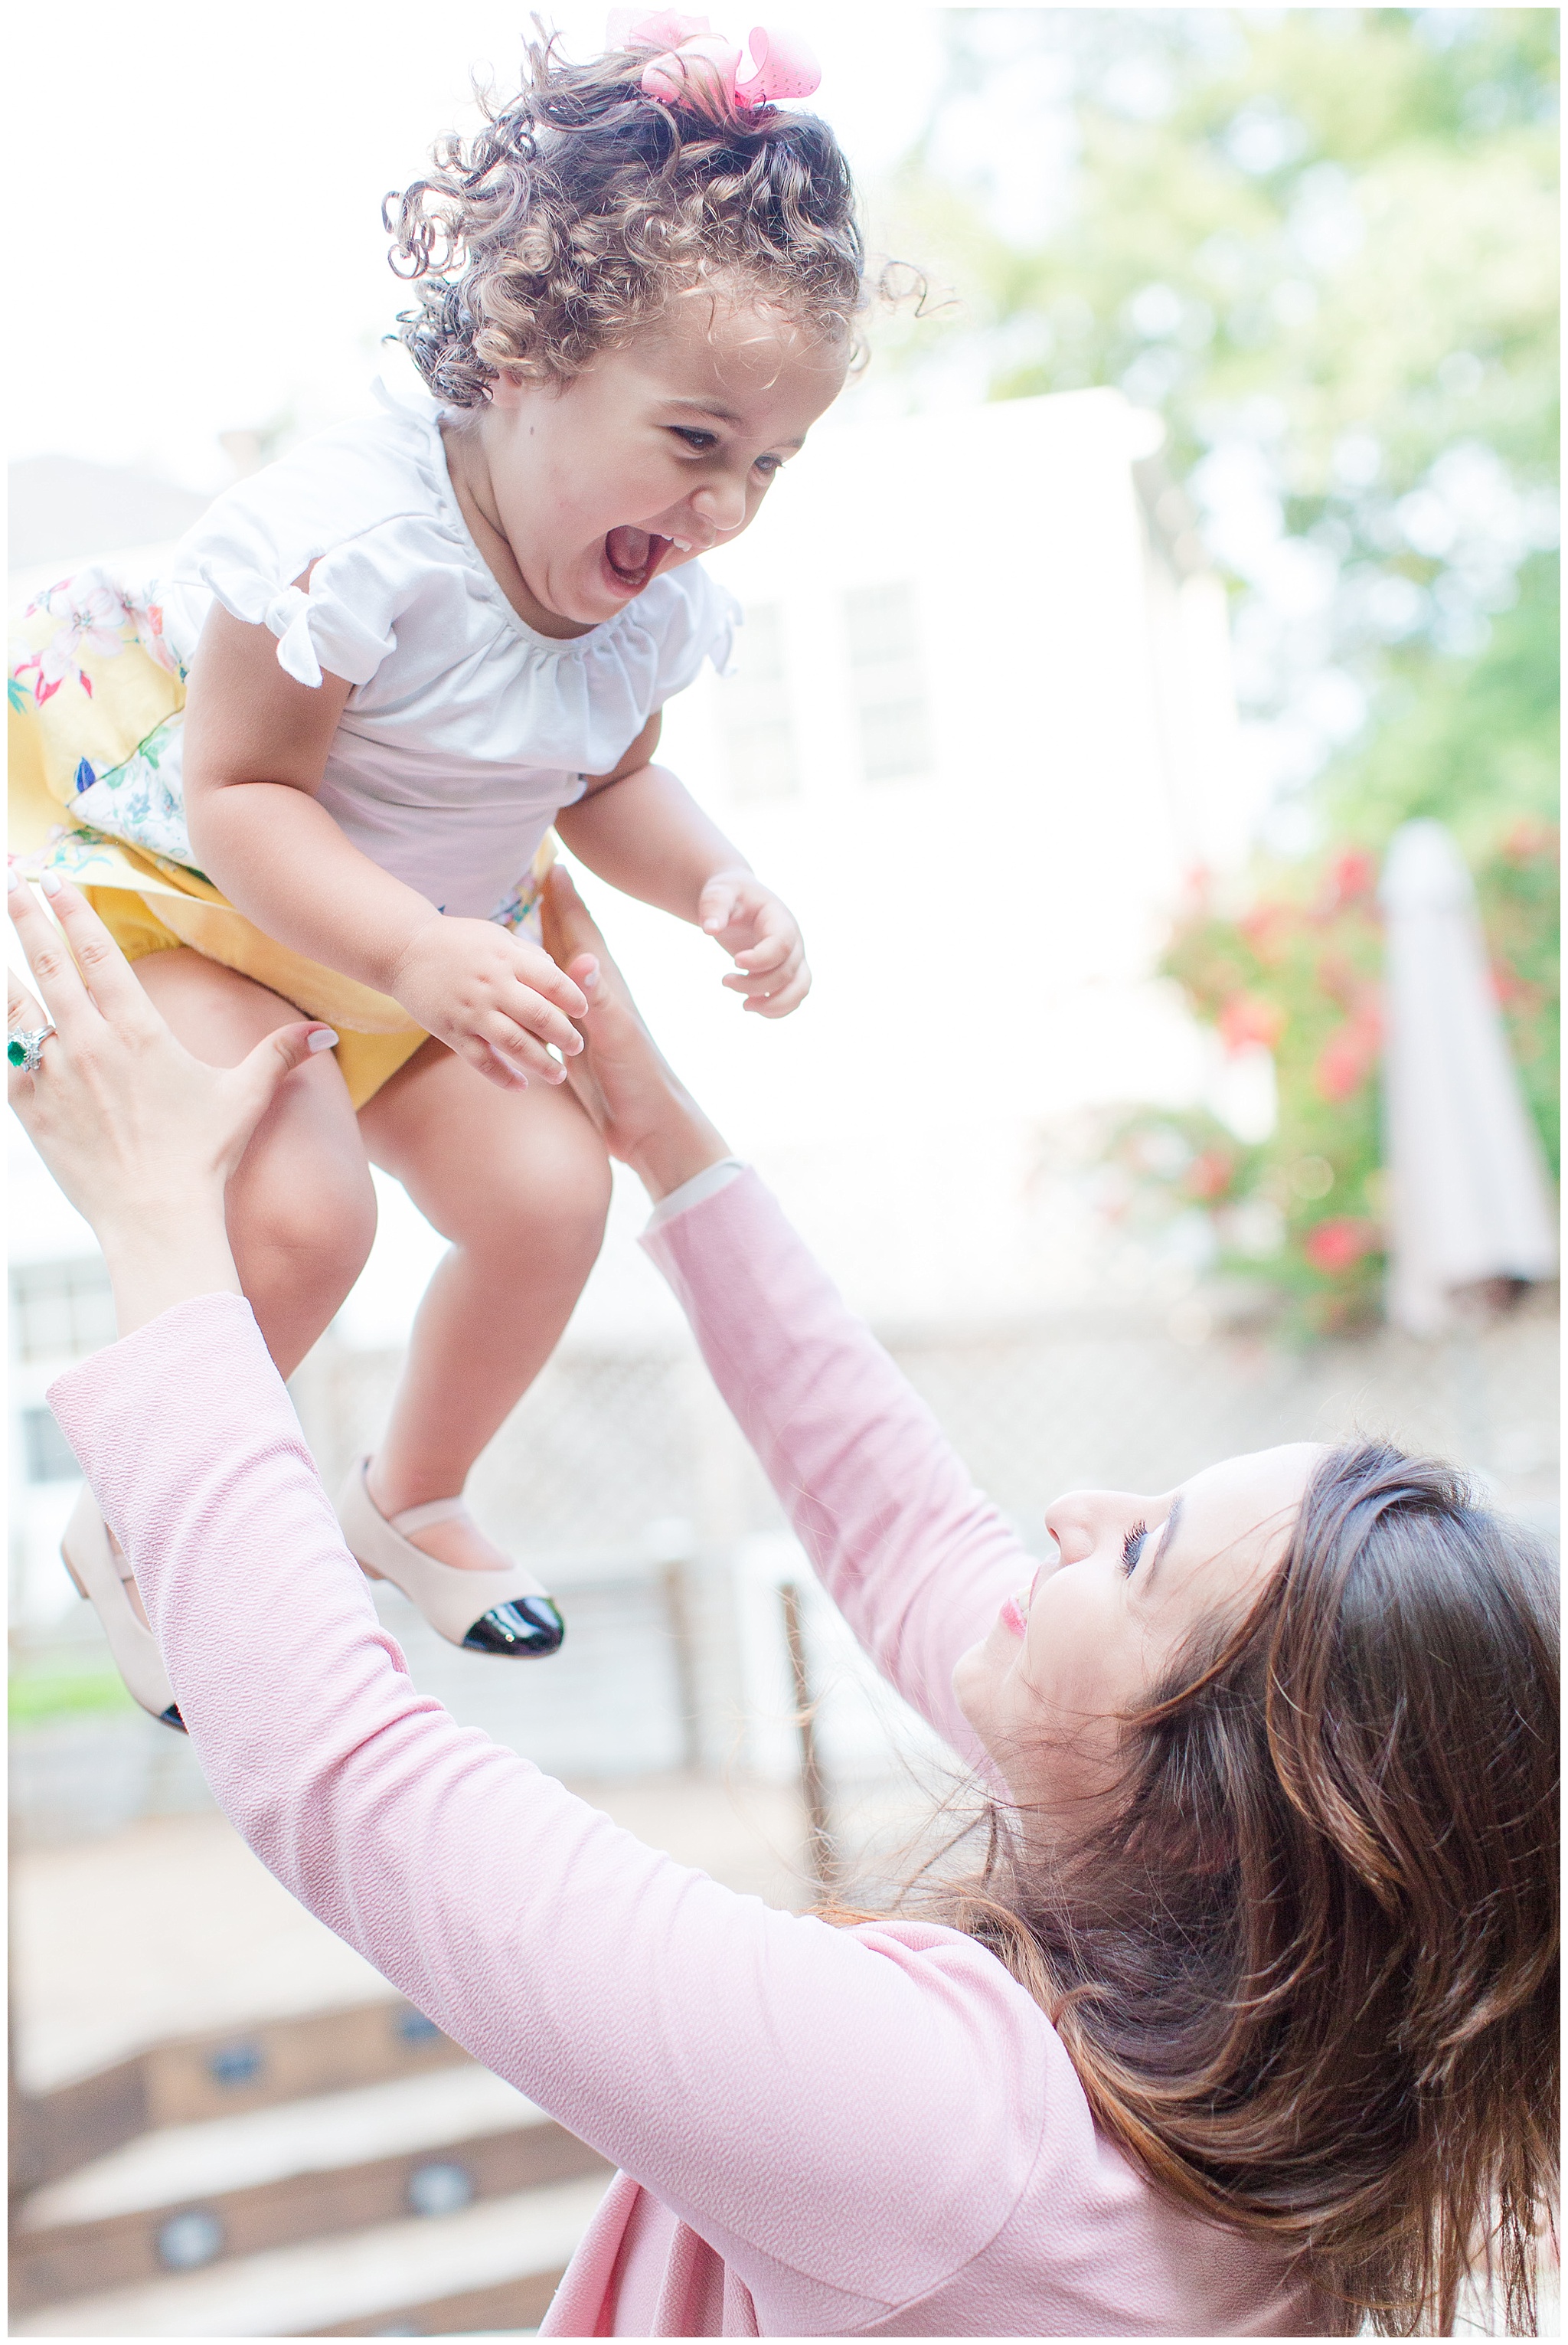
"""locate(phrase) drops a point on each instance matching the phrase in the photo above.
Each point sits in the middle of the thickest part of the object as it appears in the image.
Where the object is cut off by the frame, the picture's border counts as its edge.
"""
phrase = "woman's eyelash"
(1130, 1546)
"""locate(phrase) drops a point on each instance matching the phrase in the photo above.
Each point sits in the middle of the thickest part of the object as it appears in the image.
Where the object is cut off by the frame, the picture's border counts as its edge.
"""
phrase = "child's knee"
(571, 1189)
(311, 1223)
(557, 1196)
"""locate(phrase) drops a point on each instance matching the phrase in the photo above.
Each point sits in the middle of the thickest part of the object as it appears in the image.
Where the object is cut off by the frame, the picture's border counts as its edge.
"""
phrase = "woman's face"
(1072, 1654)
(653, 455)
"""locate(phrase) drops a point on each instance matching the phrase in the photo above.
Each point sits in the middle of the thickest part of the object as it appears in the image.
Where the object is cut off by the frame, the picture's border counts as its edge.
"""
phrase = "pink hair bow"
(699, 69)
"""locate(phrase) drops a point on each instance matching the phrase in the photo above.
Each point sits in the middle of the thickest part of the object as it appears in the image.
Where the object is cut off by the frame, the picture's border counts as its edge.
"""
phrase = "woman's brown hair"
(582, 206)
(1307, 1969)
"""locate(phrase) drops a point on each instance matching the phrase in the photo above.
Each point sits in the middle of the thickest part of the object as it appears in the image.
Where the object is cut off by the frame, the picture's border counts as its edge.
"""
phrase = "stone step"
(497, 2261)
(194, 2195)
(220, 2073)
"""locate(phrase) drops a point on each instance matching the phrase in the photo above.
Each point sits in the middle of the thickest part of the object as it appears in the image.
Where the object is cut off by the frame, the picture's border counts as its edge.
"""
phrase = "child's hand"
(752, 923)
(490, 997)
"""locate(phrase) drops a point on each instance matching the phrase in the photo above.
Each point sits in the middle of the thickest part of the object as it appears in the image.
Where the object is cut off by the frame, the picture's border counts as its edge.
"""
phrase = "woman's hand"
(647, 1118)
(141, 1137)
(490, 997)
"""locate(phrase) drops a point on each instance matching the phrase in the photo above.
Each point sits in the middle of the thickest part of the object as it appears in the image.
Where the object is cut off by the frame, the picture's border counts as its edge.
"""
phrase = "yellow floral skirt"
(96, 704)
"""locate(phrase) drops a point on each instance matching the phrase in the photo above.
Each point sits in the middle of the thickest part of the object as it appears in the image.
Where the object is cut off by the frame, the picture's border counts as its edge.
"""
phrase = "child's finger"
(541, 973)
(58, 980)
(522, 1049)
(527, 1009)
(771, 954)
(499, 1069)
(775, 966)
(489, 1063)
(109, 973)
(779, 1005)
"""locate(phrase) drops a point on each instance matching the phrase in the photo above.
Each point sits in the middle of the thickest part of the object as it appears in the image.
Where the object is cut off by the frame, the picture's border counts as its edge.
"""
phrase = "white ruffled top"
(465, 732)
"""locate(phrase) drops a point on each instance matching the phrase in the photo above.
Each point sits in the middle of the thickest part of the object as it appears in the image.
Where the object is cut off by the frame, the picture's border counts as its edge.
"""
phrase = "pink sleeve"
(844, 2115)
(916, 1559)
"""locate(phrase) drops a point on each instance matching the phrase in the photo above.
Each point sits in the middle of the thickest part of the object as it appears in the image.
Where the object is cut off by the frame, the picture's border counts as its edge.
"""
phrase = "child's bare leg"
(301, 1207)
(520, 1182)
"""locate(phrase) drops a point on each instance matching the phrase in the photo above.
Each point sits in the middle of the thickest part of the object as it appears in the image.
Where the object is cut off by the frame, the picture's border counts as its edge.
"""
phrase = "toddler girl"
(313, 766)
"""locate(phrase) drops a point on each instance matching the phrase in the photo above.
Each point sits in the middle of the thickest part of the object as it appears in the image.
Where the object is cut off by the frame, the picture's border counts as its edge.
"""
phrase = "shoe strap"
(420, 1518)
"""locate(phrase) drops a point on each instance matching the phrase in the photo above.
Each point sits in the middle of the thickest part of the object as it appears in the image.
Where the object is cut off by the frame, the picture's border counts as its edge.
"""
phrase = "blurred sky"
(197, 193)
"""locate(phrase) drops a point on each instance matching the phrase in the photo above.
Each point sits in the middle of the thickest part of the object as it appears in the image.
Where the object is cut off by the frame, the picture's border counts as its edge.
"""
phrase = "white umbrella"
(1469, 1193)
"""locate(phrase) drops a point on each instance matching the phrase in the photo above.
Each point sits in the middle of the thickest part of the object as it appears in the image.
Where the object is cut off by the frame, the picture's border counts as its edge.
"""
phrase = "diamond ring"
(26, 1051)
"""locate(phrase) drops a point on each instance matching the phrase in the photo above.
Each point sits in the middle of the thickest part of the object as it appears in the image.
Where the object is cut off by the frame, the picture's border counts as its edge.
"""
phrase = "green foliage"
(1323, 244)
(37, 1697)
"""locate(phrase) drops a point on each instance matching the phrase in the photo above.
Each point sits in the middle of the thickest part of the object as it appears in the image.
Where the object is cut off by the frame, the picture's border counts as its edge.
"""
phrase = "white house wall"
(982, 934)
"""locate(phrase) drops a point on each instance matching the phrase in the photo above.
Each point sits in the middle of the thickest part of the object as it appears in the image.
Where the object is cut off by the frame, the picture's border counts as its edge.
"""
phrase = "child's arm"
(255, 745)
(641, 830)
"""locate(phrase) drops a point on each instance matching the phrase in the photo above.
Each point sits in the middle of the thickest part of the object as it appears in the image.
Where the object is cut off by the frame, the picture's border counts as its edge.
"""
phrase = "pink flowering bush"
(1300, 971)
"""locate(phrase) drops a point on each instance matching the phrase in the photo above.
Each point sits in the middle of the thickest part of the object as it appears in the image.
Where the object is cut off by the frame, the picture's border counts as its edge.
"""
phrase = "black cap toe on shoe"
(525, 1630)
(171, 1717)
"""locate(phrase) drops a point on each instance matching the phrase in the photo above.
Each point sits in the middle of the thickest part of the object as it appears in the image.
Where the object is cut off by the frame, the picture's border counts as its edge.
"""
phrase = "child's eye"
(1131, 1547)
(695, 437)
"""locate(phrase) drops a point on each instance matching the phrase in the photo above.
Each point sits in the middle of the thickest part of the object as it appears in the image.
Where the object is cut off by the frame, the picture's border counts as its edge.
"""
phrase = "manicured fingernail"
(323, 1039)
(12, 882)
(589, 977)
(50, 883)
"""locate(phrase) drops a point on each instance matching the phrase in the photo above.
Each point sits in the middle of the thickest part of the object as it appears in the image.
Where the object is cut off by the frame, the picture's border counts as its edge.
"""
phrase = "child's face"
(654, 454)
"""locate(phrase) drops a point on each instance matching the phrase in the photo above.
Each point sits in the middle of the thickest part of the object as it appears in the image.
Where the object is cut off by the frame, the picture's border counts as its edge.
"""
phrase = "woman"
(1247, 2024)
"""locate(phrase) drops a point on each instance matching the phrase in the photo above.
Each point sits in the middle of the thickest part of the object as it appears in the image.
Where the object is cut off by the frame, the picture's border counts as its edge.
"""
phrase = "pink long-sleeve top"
(820, 2131)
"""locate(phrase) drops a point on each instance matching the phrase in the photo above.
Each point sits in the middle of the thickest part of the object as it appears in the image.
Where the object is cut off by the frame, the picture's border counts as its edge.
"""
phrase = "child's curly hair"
(571, 220)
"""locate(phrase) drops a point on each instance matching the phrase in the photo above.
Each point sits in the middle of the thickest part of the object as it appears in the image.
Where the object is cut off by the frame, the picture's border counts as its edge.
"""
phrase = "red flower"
(1353, 875)
(1334, 1248)
(1247, 1019)
(1266, 927)
(1527, 839)
(1208, 1175)
(1348, 1057)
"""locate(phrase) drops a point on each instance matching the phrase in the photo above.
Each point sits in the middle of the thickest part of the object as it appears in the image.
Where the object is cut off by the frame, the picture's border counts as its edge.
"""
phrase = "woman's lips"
(632, 556)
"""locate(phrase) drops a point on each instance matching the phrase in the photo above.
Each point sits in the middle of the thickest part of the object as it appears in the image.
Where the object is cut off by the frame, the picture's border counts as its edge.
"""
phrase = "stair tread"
(181, 2163)
(295, 2291)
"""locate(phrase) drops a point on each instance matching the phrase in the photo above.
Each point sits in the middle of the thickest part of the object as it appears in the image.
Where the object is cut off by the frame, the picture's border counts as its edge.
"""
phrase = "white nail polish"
(50, 883)
(12, 882)
(325, 1040)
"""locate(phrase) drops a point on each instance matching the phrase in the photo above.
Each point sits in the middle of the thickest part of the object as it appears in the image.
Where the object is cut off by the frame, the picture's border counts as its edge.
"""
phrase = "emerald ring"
(26, 1051)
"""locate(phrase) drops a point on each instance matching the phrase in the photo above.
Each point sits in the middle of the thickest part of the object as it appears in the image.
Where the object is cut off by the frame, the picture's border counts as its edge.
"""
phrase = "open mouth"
(632, 555)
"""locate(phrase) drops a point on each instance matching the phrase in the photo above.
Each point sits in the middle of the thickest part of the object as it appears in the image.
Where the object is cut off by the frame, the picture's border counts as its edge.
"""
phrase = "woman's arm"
(916, 1558)
(751, 2066)
(755, 2069)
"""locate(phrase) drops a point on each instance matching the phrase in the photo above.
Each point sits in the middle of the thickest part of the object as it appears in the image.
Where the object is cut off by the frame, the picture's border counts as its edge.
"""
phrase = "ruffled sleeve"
(341, 624)
(350, 507)
(699, 624)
